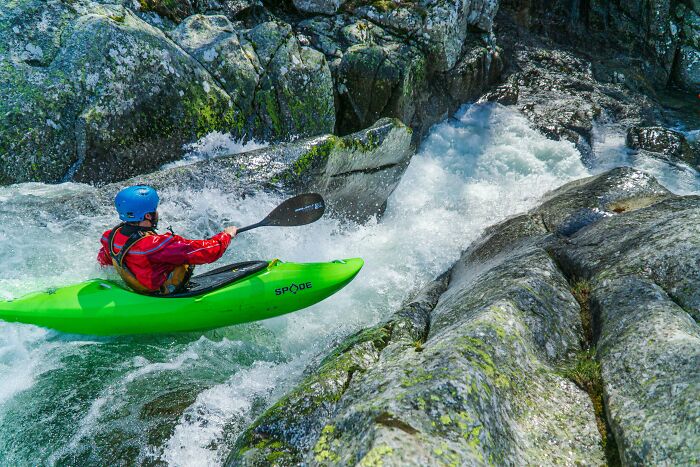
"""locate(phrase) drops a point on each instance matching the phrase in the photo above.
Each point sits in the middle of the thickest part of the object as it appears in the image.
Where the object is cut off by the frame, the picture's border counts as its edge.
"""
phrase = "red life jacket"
(153, 260)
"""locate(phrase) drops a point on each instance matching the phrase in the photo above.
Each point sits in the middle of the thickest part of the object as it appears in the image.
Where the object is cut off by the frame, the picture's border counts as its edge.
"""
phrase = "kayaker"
(149, 262)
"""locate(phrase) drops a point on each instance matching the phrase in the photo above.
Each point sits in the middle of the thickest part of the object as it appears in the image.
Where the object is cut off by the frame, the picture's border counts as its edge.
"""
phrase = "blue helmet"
(134, 202)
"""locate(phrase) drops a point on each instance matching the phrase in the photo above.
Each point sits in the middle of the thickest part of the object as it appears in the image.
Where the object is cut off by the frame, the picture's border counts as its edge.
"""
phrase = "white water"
(611, 151)
(72, 400)
(215, 144)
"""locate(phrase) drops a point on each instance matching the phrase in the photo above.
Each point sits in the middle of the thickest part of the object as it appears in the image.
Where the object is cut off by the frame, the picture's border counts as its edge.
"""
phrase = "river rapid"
(182, 399)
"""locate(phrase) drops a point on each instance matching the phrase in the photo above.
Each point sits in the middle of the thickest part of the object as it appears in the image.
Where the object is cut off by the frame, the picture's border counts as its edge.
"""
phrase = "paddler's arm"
(184, 251)
(103, 257)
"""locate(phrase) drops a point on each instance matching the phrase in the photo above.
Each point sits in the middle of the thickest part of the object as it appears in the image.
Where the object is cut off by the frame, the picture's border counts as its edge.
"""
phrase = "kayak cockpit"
(219, 277)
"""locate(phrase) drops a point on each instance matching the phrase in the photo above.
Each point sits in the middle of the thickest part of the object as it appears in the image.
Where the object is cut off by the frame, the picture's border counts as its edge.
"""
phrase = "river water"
(183, 399)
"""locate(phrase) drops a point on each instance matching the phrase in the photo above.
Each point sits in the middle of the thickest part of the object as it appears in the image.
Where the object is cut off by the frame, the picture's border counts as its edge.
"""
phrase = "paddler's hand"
(232, 230)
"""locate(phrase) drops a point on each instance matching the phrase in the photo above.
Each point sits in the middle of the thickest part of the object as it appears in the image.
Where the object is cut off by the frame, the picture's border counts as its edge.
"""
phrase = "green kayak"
(232, 294)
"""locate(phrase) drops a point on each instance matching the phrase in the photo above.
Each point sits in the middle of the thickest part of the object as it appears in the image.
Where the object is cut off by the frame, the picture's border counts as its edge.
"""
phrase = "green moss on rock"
(176, 10)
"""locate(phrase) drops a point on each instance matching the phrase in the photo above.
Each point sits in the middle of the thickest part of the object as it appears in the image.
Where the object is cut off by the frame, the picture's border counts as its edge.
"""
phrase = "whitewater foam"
(215, 144)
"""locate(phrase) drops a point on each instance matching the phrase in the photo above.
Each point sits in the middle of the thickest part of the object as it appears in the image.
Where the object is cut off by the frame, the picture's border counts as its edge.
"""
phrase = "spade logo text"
(293, 288)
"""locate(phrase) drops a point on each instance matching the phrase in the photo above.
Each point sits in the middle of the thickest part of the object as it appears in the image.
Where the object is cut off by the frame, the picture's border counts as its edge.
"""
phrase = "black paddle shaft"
(300, 210)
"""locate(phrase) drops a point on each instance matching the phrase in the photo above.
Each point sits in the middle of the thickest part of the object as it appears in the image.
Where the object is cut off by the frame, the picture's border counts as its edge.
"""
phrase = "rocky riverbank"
(566, 335)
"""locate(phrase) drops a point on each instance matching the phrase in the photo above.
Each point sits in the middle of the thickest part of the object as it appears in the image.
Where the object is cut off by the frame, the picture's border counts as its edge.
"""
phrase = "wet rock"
(560, 90)
(318, 6)
(687, 71)
(619, 33)
(279, 88)
(360, 170)
(478, 390)
(109, 97)
(687, 66)
(175, 10)
(291, 427)
(379, 73)
(355, 174)
(439, 27)
(578, 204)
(506, 94)
(178, 10)
(661, 140)
(485, 379)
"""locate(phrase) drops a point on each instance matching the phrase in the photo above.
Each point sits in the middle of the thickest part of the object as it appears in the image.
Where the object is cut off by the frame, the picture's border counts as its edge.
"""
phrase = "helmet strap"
(153, 220)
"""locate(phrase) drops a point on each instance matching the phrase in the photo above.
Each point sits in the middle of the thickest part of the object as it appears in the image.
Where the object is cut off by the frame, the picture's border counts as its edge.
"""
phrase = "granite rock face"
(318, 6)
(686, 72)
(368, 164)
(560, 90)
(646, 306)
(439, 27)
(652, 42)
(100, 95)
(380, 71)
(668, 143)
(103, 95)
(177, 70)
(279, 88)
(474, 369)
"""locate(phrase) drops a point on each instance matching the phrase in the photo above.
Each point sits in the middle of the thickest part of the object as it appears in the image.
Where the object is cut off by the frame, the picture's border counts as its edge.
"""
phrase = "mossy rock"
(117, 98)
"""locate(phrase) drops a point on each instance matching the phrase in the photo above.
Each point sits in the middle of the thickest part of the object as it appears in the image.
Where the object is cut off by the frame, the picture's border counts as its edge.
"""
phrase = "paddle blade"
(300, 210)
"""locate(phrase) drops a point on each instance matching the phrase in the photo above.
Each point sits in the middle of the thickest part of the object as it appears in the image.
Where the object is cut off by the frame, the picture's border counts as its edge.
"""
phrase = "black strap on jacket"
(135, 234)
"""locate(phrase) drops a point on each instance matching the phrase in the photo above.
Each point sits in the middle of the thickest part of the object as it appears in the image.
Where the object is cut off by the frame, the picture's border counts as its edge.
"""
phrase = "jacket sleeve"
(103, 256)
(183, 251)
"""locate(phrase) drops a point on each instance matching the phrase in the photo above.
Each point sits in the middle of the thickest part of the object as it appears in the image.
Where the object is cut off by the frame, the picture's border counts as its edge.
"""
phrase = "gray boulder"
(645, 44)
(101, 96)
(178, 10)
(668, 143)
(228, 56)
(439, 27)
(369, 79)
(590, 292)
(93, 93)
(560, 90)
(175, 10)
(643, 279)
(355, 173)
(318, 6)
(279, 88)
(295, 92)
(360, 170)
(687, 68)
(621, 32)
(687, 71)
(379, 73)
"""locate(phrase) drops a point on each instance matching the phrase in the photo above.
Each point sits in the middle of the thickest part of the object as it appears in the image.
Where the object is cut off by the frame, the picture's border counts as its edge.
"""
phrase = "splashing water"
(184, 398)
(609, 145)
(215, 144)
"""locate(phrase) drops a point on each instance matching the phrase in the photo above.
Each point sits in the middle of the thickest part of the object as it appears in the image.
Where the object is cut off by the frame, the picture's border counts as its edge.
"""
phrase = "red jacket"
(153, 257)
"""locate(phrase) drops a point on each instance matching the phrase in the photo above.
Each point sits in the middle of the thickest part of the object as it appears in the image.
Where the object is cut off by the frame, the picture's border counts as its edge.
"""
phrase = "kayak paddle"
(300, 210)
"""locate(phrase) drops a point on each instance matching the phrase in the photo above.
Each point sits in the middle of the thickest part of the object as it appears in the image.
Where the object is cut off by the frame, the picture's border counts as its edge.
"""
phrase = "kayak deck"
(104, 307)
(217, 278)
